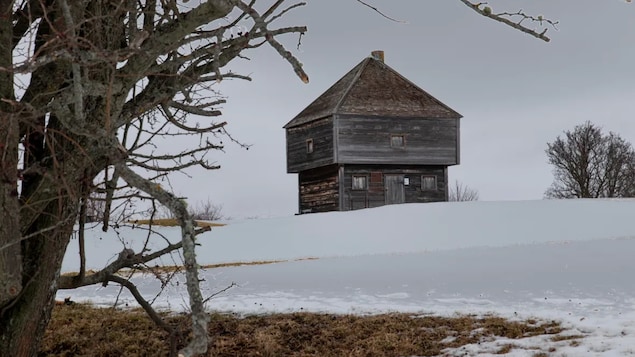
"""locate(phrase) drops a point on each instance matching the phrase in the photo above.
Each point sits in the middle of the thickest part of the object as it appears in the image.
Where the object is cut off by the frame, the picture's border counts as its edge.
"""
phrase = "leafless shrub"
(207, 211)
(459, 192)
(202, 211)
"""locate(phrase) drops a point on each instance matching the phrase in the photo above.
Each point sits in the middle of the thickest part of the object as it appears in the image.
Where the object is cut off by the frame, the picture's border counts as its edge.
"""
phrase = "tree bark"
(10, 261)
(24, 320)
(198, 343)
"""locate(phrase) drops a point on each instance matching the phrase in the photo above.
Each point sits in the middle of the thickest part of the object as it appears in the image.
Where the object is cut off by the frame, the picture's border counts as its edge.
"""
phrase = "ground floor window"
(359, 182)
(428, 183)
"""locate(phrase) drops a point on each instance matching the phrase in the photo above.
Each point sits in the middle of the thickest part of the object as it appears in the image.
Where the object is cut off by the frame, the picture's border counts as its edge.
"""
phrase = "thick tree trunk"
(10, 259)
(23, 322)
(10, 265)
(49, 202)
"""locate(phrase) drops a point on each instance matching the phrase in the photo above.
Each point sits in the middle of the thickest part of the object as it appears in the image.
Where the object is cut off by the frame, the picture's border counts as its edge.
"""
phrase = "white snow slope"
(565, 260)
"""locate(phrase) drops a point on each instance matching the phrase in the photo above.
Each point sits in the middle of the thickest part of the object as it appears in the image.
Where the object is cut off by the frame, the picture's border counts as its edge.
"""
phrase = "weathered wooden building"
(373, 138)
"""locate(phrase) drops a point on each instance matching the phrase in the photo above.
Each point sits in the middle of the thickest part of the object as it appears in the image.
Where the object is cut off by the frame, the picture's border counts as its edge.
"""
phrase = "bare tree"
(104, 82)
(89, 91)
(460, 192)
(589, 164)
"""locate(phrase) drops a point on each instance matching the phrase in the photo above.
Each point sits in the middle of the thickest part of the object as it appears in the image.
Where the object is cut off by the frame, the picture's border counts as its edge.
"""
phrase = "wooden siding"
(375, 195)
(366, 140)
(319, 189)
(321, 132)
(458, 142)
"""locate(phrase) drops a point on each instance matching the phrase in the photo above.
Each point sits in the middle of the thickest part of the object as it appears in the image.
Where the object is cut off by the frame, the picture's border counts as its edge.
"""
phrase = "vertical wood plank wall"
(374, 196)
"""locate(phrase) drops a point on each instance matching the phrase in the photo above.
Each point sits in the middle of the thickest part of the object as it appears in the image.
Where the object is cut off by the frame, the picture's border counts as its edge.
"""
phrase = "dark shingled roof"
(373, 88)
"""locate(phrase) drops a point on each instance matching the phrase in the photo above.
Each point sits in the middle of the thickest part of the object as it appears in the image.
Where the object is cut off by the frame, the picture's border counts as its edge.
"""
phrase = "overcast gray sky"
(515, 92)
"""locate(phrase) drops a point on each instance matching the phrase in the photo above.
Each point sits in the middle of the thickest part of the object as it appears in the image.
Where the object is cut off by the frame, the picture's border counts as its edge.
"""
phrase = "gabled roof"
(373, 88)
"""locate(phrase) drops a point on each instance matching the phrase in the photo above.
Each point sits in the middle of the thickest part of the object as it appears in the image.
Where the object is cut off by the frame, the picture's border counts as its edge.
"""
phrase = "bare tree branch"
(198, 344)
(502, 17)
(220, 292)
(147, 308)
(381, 13)
(261, 25)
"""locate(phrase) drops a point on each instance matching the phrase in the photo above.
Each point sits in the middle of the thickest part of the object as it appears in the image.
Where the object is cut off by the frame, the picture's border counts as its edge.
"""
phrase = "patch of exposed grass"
(257, 262)
(566, 337)
(81, 330)
(74, 273)
(178, 268)
(173, 222)
(505, 349)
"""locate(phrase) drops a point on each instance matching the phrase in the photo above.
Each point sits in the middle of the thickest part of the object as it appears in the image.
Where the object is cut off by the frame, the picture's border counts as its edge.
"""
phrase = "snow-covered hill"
(566, 260)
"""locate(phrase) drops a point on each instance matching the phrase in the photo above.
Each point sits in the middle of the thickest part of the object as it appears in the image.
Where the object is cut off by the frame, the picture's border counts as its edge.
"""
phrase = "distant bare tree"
(460, 192)
(589, 164)
(207, 211)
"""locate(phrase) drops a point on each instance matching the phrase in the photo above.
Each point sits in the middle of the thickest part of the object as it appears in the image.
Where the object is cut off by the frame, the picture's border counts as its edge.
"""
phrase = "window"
(397, 141)
(359, 183)
(428, 183)
(309, 146)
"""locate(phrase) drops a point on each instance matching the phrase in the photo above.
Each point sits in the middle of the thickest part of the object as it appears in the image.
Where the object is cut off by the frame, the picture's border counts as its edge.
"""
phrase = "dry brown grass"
(173, 222)
(80, 330)
(174, 268)
(566, 337)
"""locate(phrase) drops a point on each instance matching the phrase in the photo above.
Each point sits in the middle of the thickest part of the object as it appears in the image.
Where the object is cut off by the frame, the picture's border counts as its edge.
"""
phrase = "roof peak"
(373, 88)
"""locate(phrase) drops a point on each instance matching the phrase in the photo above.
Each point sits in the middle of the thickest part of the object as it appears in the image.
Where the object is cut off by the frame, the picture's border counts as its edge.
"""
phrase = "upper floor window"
(397, 141)
(428, 183)
(309, 146)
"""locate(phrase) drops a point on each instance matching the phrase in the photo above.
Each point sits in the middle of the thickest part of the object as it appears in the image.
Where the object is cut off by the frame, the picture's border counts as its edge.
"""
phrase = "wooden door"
(394, 189)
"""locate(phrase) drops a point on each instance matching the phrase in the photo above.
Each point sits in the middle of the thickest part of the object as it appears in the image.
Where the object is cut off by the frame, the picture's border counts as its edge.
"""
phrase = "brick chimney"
(378, 55)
